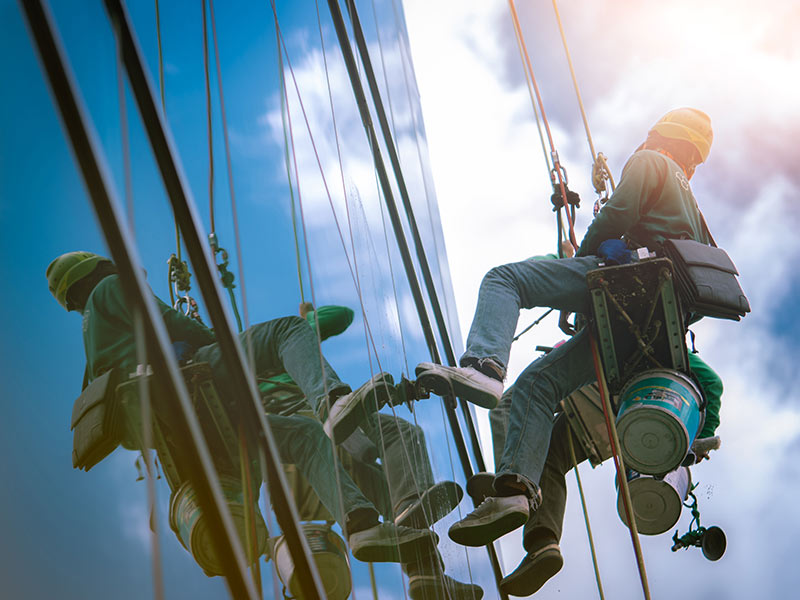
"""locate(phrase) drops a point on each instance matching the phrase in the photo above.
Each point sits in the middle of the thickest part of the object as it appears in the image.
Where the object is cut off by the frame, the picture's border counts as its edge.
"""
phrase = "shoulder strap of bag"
(706, 229)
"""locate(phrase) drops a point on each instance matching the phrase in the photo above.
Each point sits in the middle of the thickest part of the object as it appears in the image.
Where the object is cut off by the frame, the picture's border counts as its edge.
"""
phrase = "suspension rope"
(622, 478)
(600, 171)
(558, 170)
(161, 86)
(585, 512)
(141, 350)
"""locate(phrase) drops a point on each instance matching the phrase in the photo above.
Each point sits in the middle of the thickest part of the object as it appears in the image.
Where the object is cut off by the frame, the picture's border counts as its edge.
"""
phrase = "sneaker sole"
(422, 544)
(435, 503)
(441, 384)
(535, 574)
(365, 406)
(486, 533)
(432, 587)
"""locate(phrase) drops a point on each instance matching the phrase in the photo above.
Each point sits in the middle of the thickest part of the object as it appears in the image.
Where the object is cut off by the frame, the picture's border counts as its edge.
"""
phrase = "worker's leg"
(559, 284)
(301, 441)
(285, 344)
(536, 394)
(417, 500)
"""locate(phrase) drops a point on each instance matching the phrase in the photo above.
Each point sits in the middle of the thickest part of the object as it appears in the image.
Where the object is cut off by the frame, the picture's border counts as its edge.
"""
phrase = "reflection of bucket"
(330, 556)
(656, 502)
(659, 417)
(188, 522)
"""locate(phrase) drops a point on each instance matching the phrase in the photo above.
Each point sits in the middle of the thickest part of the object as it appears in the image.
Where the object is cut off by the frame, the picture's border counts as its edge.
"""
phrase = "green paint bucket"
(330, 555)
(190, 525)
(658, 419)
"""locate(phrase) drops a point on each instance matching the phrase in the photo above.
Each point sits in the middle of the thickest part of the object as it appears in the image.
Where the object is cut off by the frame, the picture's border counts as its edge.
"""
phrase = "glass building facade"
(318, 196)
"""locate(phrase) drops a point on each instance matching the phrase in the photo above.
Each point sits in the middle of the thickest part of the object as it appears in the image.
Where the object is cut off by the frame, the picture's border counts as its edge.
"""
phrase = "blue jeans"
(289, 344)
(559, 284)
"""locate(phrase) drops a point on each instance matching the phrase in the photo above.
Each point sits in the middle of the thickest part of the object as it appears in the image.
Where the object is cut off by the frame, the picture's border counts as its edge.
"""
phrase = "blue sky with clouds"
(634, 61)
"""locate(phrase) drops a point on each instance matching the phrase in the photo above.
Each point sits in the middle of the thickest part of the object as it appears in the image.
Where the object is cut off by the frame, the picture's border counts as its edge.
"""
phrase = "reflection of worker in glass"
(652, 202)
(388, 459)
(88, 283)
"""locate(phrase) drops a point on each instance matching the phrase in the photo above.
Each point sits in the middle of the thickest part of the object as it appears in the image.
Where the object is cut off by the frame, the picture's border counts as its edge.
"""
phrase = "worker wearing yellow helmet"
(653, 202)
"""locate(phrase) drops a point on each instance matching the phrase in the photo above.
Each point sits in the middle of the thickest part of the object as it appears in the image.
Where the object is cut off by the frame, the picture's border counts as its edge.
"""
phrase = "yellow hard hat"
(68, 269)
(688, 124)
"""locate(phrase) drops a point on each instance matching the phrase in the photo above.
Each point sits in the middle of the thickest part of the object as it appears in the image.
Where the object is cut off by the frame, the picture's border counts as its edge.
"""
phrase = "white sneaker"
(495, 517)
(349, 411)
(388, 542)
(465, 382)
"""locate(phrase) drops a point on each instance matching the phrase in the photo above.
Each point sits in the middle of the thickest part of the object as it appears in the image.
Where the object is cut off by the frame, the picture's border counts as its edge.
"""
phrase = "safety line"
(164, 110)
(141, 350)
(595, 157)
(232, 192)
(281, 43)
(409, 462)
(212, 228)
(557, 168)
(622, 478)
(585, 512)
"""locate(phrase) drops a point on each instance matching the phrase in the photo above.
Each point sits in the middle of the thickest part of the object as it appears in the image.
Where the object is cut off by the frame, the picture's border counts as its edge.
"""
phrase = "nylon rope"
(250, 527)
(557, 167)
(287, 161)
(595, 155)
(619, 465)
(430, 220)
(336, 464)
(141, 350)
(532, 94)
(585, 512)
(212, 228)
(354, 269)
(164, 111)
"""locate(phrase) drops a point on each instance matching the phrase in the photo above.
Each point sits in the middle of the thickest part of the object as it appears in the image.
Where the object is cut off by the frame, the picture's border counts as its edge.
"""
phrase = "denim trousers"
(289, 344)
(559, 284)
(548, 521)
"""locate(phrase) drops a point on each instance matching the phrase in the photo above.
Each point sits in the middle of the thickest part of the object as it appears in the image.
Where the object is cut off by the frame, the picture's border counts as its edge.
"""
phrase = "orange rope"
(557, 168)
(621, 475)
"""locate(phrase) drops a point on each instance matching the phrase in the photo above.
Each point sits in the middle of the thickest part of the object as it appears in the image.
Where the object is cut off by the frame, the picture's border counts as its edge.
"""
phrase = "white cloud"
(635, 61)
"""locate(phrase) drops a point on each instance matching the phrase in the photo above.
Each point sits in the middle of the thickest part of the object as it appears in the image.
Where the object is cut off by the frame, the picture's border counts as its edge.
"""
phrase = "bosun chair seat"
(633, 306)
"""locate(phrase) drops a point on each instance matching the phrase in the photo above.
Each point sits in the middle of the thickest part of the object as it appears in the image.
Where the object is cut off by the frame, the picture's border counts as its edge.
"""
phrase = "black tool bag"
(96, 421)
(706, 280)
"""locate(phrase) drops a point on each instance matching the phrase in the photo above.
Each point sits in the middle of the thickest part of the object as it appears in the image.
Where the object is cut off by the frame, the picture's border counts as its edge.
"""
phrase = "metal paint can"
(330, 556)
(190, 525)
(657, 502)
(658, 419)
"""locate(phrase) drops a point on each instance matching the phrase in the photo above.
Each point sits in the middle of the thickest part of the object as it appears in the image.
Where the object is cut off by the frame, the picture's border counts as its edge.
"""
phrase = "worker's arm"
(184, 329)
(640, 179)
(711, 384)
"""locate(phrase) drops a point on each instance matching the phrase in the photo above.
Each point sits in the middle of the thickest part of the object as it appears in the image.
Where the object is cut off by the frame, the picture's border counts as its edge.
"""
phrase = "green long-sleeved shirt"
(652, 202)
(108, 336)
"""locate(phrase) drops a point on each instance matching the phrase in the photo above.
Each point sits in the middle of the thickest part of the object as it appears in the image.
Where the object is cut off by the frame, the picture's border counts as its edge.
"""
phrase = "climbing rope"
(557, 173)
(585, 512)
(622, 478)
(141, 349)
(172, 294)
(601, 175)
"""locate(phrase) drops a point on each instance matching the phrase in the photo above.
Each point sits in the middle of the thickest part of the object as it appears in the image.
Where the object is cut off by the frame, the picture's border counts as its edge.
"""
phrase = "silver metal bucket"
(657, 502)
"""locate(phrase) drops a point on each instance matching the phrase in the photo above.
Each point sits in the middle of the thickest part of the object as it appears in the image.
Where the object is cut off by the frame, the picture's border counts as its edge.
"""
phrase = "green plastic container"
(658, 419)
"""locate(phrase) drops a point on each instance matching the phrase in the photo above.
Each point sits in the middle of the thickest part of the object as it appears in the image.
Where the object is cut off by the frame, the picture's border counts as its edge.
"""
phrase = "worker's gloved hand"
(703, 446)
(183, 351)
(614, 252)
